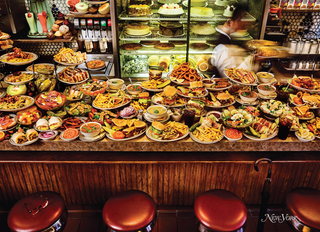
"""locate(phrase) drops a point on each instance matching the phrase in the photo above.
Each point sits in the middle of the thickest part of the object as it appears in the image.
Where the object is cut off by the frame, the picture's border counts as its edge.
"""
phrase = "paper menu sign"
(297, 4)
(304, 4)
(284, 3)
(290, 4)
(311, 4)
(317, 4)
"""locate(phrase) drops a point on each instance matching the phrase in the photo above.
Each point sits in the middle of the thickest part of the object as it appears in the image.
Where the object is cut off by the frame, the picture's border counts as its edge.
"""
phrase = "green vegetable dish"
(78, 108)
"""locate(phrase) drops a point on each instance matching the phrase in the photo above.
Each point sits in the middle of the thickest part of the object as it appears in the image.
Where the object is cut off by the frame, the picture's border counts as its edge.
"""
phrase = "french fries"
(208, 134)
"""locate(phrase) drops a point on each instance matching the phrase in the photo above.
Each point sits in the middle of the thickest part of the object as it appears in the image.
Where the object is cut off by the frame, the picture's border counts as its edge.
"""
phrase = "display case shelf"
(87, 16)
(153, 36)
(176, 51)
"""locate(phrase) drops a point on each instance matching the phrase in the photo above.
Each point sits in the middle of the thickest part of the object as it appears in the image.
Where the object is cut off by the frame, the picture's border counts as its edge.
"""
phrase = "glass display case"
(168, 32)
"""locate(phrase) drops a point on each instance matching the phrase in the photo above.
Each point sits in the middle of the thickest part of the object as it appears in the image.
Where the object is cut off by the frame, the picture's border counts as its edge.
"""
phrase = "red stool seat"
(220, 210)
(129, 211)
(38, 212)
(304, 204)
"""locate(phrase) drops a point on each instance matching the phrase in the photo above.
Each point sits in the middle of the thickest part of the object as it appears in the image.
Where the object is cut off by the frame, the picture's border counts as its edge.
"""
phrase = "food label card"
(304, 4)
(284, 3)
(297, 4)
(290, 4)
(311, 3)
(317, 4)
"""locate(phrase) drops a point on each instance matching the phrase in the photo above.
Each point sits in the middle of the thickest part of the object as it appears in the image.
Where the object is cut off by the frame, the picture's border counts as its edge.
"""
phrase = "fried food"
(185, 74)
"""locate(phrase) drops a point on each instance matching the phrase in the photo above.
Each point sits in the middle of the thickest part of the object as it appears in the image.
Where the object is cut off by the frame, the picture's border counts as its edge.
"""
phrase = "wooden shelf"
(88, 16)
(302, 10)
(29, 40)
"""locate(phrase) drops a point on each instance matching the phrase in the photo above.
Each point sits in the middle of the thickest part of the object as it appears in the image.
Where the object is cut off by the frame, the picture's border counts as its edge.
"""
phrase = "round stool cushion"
(129, 211)
(304, 204)
(36, 212)
(220, 210)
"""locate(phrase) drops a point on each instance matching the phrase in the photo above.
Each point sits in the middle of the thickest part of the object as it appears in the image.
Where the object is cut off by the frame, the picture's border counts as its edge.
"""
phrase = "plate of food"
(78, 108)
(217, 84)
(73, 76)
(207, 131)
(261, 129)
(155, 85)
(305, 83)
(149, 43)
(241, 76)
(273, 108)
(23, 139)
(169, 98)
(199, 46)
(73, 93)
(221, 99)
(93, 87)
(184, 74)
(94, 65)
(131, 46)
(48, 135)
(169, 132)
(8, 122)
(303, 112)
(18, 57)
(28, 116)
(195, 90)
(10, 103)
(52, 100)
(126, 129)
(164, 46)
(19, 78)
(70, 134)
(304, 135)
(311, 100)
(67, 56)
(72, 122)
(128, 112)
(52, 123)
(314, 126)
(111, 101)
(237, 118)
(47, 66)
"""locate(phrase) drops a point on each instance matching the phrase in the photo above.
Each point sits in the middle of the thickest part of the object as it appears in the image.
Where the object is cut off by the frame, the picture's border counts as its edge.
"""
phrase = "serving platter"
(19, 83)
(74, 83)
(219, 107)
(112, 107)
(29, 68)
(240, 83)
(50, 138)
(152, 90)
(25, 107)
(303, 89)
(149, 119)
(34, 57)
(198, 141)
(258, 139)
(179, 83)
(268, 97)
(69, 64)
(219, 89)
(307, 118)
(94, 139)
(165, 141)
(125, 139)
(24, 144)
(171, 15)
(12, 116)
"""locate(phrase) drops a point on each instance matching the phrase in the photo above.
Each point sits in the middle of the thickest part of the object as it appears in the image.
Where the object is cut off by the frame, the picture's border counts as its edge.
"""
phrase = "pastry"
(198, 3)
(139, 10)
(203, 29)
(55, 27)
(63, 29)
(178, 42)
(59, 22)
(131, 46)
(96, 64)
(93, 10)
(149, 42)
(168, 1)
(201, 11)
(137, 29)
(199, 46)
(58, 34)
(228, 12)
(50, 35)
(170, 9)
(223, 2)
(164, 46)
(171, 28)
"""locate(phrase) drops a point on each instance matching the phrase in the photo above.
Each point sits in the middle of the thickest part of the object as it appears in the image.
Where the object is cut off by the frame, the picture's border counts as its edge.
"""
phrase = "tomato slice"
(118, 135)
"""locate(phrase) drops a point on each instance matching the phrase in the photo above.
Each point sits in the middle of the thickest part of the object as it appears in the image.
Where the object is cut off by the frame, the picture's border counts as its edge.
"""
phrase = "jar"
(293, 64)
(306, 47)
(299, 65)
(298, 47)
(317, 65)
(303, 65)
(313, 47)
(307, 65)
(292, 46)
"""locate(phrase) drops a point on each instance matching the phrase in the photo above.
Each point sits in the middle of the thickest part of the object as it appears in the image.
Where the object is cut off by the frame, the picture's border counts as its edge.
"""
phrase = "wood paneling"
(174, 183)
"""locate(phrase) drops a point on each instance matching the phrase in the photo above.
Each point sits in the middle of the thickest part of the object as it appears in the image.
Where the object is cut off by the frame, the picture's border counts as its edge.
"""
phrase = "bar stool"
(131, 210)
(41, 211)
(304, 205)
(220, 210)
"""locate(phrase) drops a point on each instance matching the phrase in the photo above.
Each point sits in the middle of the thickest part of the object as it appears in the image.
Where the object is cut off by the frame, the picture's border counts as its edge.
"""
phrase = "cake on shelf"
(139, 2)
(201, 11)
(228, 12)
(198, 3)
(139, 10)
(223, 2)
(170, 9)
(203, 29)
(171, 29)
(168, 1)
(137, 29)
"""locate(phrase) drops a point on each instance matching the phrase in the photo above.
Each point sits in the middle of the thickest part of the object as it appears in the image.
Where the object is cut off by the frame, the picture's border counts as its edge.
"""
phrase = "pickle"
(53, 84)
(192, 128)
(45, 71)
(44, 85)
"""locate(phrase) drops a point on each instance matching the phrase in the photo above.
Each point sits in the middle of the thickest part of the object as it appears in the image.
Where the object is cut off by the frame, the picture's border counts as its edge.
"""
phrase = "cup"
(103, 45)
(89, 45)
(285, 124)
(189, 115)
(95, 43)
(80, 44)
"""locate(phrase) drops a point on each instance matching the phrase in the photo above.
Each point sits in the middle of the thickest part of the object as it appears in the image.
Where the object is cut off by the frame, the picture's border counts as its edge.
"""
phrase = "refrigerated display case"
(185, 33)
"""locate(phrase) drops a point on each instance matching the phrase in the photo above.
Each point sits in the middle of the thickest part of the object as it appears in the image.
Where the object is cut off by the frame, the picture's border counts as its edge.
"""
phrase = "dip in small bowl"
(266, 89)
(248, 96)
(157, 111)
(92, 129)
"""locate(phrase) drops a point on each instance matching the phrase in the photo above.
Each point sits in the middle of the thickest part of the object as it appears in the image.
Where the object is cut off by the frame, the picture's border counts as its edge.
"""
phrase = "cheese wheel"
(31, 134)
(19, 138)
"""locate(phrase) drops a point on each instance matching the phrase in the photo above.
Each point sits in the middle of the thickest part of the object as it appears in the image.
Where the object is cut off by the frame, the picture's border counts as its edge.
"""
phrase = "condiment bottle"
(306, 47)
(292, 46)
(313, 48)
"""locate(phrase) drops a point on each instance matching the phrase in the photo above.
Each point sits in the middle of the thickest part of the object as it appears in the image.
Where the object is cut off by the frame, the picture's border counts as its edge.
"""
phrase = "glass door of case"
(167, 33)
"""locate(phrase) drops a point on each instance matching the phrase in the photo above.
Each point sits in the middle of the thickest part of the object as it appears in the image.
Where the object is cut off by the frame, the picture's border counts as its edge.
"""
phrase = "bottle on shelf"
(109, 40)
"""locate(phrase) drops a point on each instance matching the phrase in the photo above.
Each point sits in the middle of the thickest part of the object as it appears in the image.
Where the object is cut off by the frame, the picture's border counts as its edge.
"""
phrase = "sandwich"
(119, 122)
(156, 129)
(42, 124)
(31, 134)
(264, 127)
(302, 111)
(169, 95)
(144, 99)
(55, 122)
(225, 98)
(311, 100)
(19, 138)
(197, 88)
(197, 105)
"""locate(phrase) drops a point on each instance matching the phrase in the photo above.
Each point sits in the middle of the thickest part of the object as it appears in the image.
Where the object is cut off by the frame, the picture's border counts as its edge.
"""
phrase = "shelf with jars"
(182, 37)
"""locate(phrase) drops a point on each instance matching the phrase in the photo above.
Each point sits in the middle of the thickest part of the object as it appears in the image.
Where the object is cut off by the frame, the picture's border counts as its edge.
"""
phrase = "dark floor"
(170, 219)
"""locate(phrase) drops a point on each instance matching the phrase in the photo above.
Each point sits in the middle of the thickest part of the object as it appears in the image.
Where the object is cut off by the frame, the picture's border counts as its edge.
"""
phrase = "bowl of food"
(215, 113)
(208, 83)
(47, 135)
(304, 135)
(283, 90)
(156, 111)
(115, 83)
(134, 89)
(232, 134)
(69, 134)
(266, 89)
(176, 114)
(265, 77)
(90, 129)
(248, 96)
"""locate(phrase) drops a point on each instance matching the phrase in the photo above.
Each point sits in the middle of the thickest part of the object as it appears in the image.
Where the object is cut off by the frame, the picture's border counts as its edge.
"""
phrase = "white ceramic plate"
(219, 89)
(303, 89)
(198, 141)
(158, 140)
(69, 64)
(149, 33)
(167, 36)
(14, 110)
(13, 116)
(185, 3)
(18, 83)
(125, 139)
(240, 101)
(179, 83)
(240, 83)
(309, 118)
(29, 68)
(68, 140)
(152, 90)
(74, 83)
(50, 138)
(258, 139)
(23, 144)
(116, 90)
(168, 106)
(304, 140)
(268, 97)
(93, 139)
(113, 107)
(218, 107)
(77, 13)
(149, 119)
(35, 57)
(96, 2)
(171, 15)
(206, 94)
